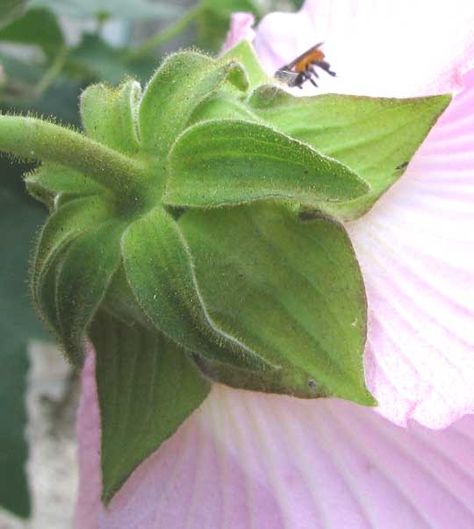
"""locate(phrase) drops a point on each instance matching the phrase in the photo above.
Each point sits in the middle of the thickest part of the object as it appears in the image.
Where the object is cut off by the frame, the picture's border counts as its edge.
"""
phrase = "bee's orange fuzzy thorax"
(309, 58)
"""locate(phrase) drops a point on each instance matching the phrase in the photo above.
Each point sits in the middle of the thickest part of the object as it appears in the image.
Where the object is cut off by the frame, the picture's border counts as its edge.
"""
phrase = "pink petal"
(240, 28)
(377, 47)
(88, 435)
(246, 460)
(416, 249)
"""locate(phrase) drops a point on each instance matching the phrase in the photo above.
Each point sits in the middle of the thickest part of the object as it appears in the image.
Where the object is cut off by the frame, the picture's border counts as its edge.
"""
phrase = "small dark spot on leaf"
(403, 165)
(309, 214)
(312, 384)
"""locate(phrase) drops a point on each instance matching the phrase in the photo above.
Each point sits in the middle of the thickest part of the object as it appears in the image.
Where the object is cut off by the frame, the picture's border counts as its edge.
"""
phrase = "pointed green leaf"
(375, 137)
(72, 273)
(233, 162)
(183, 81)
(51, 180)
(290, 289)
(158, 268)
(109, 115)
(62, 227)
(82, 281)
(147, 387)
(227, 105)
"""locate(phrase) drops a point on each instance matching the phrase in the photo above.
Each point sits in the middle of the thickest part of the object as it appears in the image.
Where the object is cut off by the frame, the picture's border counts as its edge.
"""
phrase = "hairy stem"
(35, 139)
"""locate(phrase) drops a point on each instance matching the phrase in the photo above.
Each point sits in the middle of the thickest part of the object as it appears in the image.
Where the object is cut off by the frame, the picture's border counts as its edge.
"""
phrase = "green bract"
(195, 236)
(375, 137)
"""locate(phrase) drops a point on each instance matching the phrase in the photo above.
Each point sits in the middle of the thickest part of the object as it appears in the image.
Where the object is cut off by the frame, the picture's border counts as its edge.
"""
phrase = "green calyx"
(196, 235)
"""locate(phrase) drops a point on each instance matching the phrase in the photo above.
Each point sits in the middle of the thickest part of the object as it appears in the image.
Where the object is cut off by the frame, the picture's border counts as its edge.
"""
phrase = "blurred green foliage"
(19, 219)
(213, 20)
(120, 9)
(38, 27)
(10, 9)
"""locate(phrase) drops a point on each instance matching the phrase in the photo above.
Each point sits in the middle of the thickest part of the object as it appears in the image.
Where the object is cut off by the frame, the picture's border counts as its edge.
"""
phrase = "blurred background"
(50, 50)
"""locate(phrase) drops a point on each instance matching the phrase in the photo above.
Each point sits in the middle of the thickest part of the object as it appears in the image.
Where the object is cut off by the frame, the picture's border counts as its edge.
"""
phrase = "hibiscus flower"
(246, 460)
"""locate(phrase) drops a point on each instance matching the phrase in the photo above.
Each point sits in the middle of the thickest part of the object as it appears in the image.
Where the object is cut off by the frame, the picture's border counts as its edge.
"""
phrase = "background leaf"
(38, 27)
(297, 4)
(214, 19)
(147, 387)
(293, 293)
(20, 218)
(138, 9)
(11, 9)
(93, 60)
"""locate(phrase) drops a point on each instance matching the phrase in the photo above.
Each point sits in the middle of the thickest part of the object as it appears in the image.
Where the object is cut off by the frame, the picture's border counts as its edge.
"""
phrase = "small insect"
(302, 69)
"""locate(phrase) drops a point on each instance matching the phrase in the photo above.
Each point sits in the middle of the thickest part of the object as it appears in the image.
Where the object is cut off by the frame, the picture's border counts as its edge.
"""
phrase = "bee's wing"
(285, 76)
(294, 62)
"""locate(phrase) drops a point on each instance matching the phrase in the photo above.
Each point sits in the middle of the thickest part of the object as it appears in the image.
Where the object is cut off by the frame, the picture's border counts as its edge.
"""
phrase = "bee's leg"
(326, 67)
(309, 73)
(313, 71)
(300, 79)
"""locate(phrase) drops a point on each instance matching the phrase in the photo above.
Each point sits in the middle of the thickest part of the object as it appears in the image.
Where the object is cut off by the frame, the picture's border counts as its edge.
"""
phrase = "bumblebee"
(302, 69)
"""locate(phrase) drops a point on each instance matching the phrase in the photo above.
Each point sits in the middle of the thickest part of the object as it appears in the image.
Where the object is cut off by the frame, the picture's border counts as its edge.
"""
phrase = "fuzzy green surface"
(221, 162)
(195, 231)
(375, 137)
(293, 293)
(147, 387)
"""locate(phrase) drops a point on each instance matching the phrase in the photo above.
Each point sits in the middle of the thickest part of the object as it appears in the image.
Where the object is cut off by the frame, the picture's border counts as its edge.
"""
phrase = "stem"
(51, 73)
(167, 34)
(36, 139)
